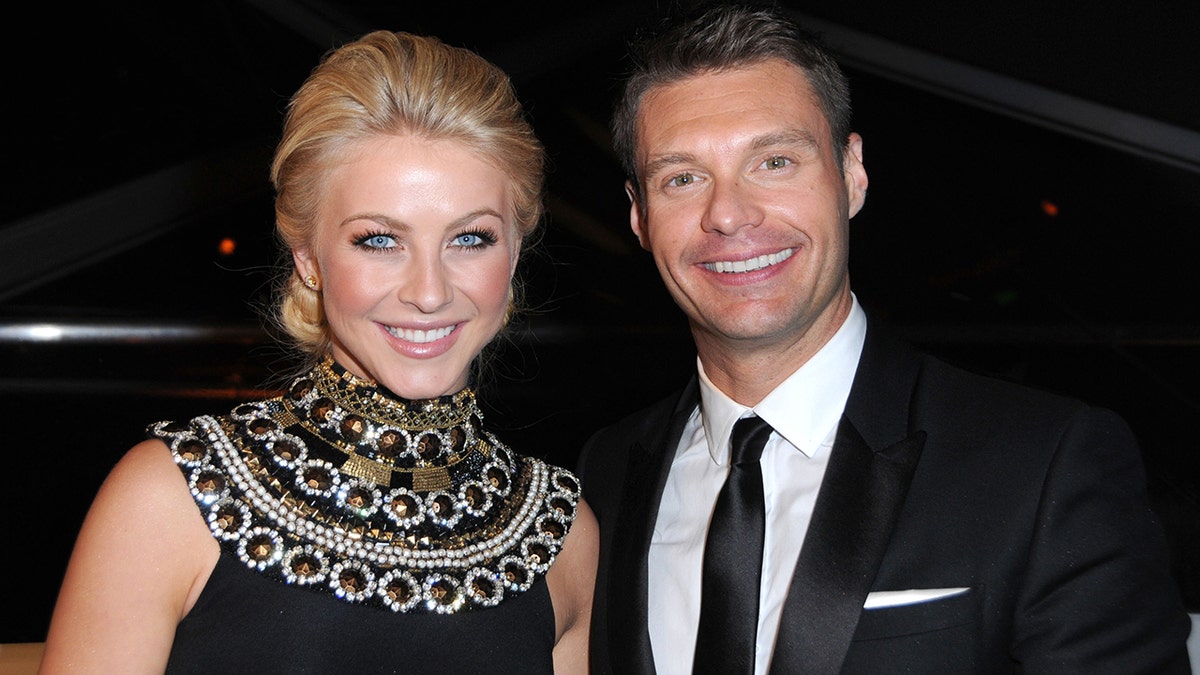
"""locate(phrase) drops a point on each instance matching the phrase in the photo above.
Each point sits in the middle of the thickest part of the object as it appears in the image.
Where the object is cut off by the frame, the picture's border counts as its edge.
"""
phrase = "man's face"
(746, 211)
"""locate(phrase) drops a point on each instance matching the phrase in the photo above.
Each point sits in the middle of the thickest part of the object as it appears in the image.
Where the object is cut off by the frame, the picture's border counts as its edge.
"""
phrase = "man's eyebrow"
(784, 137)
(663, 161)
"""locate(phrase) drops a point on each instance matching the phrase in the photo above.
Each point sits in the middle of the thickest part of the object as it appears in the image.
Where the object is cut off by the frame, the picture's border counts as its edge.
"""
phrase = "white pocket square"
(879, 599)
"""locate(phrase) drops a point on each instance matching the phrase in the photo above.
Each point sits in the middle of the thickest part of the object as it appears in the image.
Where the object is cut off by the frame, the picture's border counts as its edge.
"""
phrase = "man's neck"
(748, 370)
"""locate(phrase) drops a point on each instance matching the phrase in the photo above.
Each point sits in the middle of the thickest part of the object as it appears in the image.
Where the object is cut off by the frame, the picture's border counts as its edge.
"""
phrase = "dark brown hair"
(723, 38)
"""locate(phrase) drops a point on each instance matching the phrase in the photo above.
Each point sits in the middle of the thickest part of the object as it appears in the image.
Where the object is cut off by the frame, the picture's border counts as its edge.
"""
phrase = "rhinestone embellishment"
(338, 487)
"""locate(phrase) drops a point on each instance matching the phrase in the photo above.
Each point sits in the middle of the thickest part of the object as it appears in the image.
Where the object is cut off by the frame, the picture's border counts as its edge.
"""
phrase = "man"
(911, 517)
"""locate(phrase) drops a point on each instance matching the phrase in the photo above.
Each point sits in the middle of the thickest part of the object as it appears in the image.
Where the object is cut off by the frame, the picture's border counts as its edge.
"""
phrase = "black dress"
(365, 533)
(244, 622)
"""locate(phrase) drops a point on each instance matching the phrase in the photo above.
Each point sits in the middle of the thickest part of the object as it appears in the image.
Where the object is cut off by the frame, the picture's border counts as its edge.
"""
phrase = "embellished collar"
(383, 434)
(337, 485)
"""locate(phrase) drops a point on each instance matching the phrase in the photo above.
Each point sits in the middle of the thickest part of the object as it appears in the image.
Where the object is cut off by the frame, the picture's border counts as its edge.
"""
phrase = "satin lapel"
(859, 502)
(860, 499)
(649, 462)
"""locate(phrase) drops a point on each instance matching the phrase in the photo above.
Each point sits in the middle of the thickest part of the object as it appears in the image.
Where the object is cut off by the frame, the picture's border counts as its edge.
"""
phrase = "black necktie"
(733, 559)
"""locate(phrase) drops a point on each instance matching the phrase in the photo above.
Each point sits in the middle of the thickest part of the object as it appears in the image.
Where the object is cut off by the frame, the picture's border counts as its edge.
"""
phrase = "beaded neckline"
(382, 434)
(409, 505)
(364, 398)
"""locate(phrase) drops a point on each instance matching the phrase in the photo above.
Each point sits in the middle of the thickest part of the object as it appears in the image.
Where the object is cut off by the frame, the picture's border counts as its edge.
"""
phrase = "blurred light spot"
(45, 332)
(1049, 208)
(227, 246)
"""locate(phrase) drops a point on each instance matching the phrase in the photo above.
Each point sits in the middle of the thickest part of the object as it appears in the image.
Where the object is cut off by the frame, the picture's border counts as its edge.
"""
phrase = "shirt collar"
(806, 406)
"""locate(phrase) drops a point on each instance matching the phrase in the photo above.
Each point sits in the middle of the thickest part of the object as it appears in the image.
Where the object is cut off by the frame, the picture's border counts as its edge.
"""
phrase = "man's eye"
(776, 162)
(682, 180)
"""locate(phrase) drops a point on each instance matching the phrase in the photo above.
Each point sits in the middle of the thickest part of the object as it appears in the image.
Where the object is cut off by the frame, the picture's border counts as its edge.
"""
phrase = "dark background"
(1011, 226)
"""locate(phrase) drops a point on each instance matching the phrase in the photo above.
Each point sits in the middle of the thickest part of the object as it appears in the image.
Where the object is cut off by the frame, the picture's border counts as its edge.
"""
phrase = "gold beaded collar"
(338, 485)
(367, 399)
(382, 433)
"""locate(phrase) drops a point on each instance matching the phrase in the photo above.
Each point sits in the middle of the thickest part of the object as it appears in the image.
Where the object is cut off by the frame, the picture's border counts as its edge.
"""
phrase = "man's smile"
(736, 266)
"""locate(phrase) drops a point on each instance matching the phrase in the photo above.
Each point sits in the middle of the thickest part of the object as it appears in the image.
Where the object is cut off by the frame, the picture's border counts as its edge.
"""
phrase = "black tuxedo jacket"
(938, 479)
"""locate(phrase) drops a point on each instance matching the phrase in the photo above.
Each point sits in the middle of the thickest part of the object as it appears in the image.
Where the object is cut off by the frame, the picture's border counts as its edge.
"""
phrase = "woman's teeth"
(419, 336)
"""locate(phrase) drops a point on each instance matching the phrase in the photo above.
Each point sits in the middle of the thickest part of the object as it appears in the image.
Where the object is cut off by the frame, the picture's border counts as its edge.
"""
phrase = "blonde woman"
(365, 520)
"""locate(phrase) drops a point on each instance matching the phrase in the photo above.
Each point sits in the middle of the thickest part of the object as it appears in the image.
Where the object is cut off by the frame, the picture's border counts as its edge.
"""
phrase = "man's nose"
(731, 206)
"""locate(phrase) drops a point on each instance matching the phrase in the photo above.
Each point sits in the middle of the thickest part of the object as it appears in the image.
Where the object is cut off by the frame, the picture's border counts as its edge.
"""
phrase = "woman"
(364, 520)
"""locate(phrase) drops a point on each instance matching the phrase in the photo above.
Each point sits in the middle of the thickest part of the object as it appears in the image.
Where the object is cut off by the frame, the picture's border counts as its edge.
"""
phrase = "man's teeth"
(751, 264)
(420, 336)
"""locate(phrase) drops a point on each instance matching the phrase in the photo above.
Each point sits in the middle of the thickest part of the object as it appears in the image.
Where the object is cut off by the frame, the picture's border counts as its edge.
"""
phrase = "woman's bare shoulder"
(571, 580)
(141, 557)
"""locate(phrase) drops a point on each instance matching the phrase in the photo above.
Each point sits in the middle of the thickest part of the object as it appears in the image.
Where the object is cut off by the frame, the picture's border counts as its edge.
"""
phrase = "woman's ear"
(516, 256)
(305, 265)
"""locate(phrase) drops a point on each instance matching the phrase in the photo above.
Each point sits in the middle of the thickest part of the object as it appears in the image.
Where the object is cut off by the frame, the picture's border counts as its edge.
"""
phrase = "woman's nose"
(428, 285)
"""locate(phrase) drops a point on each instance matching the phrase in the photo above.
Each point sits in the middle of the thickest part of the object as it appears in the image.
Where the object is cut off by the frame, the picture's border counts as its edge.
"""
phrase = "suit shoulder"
(606, 452)
(956, 379)
(989, 401)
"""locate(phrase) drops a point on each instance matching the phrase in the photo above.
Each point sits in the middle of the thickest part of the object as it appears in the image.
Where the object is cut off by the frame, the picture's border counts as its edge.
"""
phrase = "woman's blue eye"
(474, 239)
(377, 241)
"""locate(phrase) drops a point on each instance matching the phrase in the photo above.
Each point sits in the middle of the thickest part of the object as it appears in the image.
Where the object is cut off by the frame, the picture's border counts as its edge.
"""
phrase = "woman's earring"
(311, 282)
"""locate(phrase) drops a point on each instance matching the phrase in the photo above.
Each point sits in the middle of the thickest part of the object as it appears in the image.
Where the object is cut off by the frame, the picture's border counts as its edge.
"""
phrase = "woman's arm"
(141, 559)
(572, 580)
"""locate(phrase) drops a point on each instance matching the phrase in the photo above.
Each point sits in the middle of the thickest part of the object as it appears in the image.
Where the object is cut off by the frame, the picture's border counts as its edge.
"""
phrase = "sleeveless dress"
(364, 533)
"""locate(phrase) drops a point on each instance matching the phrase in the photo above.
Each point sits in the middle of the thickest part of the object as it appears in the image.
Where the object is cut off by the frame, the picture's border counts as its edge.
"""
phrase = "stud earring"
(311, 282)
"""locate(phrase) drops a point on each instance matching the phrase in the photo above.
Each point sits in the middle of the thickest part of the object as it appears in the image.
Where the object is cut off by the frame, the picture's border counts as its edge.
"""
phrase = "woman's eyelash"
(375, 241)
(382, 241)
(484, 237)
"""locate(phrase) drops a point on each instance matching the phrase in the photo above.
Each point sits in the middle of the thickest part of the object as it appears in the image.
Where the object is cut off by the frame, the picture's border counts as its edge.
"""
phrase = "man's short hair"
(723, 38)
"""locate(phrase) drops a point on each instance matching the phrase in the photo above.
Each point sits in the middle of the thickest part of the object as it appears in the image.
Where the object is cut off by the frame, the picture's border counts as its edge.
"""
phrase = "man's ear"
(856, 174)
(636, 219)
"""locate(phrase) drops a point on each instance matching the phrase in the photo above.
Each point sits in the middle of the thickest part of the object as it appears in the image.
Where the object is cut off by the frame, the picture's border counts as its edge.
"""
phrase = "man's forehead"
(770, 104)
(782, 138)
(772, 82)
(773, 69)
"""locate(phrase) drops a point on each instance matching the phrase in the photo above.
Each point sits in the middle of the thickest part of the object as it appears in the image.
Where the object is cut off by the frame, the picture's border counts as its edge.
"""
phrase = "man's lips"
(738, 266)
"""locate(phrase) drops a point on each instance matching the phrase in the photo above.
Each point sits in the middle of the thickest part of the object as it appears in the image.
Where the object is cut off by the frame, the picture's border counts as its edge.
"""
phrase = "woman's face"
(414, 250)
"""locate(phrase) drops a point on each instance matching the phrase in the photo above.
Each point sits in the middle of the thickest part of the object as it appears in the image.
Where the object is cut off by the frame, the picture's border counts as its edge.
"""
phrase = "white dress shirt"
(804, 411)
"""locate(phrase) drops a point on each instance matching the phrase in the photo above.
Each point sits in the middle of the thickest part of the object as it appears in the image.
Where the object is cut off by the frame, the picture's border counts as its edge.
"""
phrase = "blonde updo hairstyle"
(387, 84)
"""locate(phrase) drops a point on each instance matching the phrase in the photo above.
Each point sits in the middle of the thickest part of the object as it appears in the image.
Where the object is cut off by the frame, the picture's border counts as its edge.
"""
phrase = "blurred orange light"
(227, 246)
(1049, 208)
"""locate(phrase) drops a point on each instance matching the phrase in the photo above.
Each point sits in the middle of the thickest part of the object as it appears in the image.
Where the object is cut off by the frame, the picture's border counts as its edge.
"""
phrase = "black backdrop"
(139, 141)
